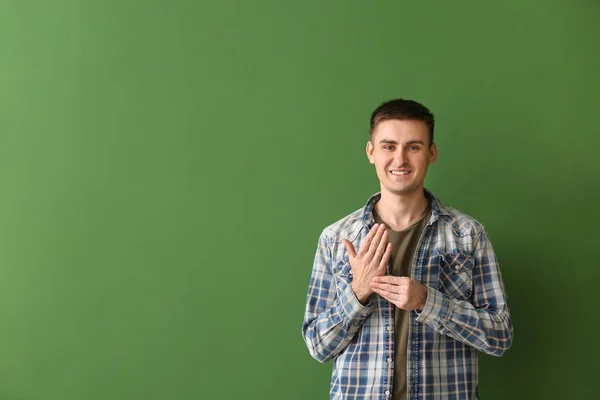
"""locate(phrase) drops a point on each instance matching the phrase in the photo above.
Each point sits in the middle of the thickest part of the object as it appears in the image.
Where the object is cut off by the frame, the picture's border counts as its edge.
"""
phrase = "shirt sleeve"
(484, 321)
(333, 314)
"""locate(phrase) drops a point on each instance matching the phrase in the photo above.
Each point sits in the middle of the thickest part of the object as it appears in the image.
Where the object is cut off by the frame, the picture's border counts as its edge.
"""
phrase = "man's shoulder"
(461, 222)
(346, 227)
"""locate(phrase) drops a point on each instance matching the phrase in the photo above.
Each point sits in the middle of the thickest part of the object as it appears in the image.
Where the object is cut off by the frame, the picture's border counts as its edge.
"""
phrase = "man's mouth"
(400, 173)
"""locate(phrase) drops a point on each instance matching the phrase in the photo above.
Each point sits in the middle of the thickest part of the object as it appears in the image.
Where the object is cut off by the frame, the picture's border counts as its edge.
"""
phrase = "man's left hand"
(402, 291)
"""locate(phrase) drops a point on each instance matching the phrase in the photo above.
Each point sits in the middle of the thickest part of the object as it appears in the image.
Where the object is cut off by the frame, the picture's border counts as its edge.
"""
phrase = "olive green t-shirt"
(404, 244)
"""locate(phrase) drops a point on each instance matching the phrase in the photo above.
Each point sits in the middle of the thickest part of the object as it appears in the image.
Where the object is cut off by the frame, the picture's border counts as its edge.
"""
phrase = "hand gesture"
(402, 291)
(370, 261)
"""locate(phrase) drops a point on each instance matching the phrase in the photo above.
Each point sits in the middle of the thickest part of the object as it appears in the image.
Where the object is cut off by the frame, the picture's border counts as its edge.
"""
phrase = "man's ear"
(433, 153)
(369, 150)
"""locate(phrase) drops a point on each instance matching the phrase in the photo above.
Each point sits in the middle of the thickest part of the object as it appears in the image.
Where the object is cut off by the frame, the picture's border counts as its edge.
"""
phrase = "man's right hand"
(371, 260)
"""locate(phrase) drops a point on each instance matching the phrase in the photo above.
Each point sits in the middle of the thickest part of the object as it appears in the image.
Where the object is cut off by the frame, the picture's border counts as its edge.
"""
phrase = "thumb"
(350, 248)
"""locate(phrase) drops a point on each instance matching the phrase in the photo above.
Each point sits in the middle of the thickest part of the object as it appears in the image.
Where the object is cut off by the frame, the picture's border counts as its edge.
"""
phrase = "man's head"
(401, 145)
(402, 109)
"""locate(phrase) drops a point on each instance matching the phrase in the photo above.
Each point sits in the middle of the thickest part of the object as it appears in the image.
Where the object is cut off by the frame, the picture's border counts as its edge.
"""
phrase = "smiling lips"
(400, 173)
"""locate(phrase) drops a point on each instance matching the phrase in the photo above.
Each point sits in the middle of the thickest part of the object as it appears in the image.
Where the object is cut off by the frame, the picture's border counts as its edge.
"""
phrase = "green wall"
(166, 168)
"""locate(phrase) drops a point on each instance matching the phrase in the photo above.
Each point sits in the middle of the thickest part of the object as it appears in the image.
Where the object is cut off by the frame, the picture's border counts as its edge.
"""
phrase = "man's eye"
(388, 147)
(414, 147)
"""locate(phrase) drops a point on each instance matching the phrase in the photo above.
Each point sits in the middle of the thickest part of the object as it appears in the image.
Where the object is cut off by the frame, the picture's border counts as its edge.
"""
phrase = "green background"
(166, 168)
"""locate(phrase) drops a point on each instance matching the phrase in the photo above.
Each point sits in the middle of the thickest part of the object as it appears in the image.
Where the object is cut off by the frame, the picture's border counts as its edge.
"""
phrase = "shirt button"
(387, 392)
(389, 328)
(389, 360)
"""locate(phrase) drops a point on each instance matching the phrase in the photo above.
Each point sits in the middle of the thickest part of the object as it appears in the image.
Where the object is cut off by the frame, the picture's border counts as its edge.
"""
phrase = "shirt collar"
(437, 208)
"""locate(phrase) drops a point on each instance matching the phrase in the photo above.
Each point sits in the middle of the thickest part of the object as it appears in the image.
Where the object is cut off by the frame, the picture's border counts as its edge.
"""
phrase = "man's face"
(400, 151)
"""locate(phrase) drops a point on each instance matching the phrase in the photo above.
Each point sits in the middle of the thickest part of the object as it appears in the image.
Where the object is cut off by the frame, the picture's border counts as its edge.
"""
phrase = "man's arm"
(332, 317)
(483, 323)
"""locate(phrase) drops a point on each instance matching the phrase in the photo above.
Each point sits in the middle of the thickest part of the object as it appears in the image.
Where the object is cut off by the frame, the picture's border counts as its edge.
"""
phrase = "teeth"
(399, 172)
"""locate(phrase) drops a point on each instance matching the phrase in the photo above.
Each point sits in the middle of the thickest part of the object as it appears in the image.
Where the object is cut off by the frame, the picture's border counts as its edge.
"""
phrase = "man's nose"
(400, 157)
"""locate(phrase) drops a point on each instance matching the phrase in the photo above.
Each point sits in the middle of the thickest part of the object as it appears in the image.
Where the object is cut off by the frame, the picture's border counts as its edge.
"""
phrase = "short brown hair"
(403, 110)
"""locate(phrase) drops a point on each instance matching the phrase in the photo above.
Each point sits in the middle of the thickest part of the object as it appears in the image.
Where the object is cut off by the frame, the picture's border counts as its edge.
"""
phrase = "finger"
(382, 256)
(397, 300)
(386, 287)
(375, 242)
(391, 279)
(350, 248)
(367, 240)
(385, 294)
(385, 258)
(381, 247)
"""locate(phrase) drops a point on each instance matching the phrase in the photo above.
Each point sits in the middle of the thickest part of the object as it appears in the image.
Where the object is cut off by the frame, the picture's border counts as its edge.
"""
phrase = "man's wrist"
(361, 294)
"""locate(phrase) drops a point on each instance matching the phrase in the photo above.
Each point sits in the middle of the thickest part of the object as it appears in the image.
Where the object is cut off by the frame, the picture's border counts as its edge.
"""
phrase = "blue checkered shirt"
(466, 311)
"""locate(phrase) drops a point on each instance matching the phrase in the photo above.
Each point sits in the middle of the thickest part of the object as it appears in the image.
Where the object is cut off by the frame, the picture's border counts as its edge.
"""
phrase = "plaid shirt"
(466, 311)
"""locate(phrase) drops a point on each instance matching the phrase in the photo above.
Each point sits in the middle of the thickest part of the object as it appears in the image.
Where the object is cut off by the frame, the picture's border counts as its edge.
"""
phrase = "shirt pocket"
(343, 274)
(456, 275)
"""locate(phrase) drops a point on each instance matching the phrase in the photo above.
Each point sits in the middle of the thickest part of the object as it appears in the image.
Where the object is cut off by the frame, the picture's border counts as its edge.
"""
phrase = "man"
(405, 291)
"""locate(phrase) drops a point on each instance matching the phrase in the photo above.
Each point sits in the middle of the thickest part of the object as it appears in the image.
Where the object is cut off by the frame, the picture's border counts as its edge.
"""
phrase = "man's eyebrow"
(388, 141)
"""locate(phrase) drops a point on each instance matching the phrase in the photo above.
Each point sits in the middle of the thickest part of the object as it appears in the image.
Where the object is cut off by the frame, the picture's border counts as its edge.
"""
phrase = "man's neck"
(399, 212)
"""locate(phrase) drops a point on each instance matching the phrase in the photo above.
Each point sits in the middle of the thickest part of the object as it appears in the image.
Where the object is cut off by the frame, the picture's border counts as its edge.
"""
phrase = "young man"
(405, 291)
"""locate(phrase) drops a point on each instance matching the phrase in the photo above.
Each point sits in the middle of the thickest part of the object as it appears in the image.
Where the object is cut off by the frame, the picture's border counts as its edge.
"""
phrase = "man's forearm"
(487, 330)
(329, 332)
